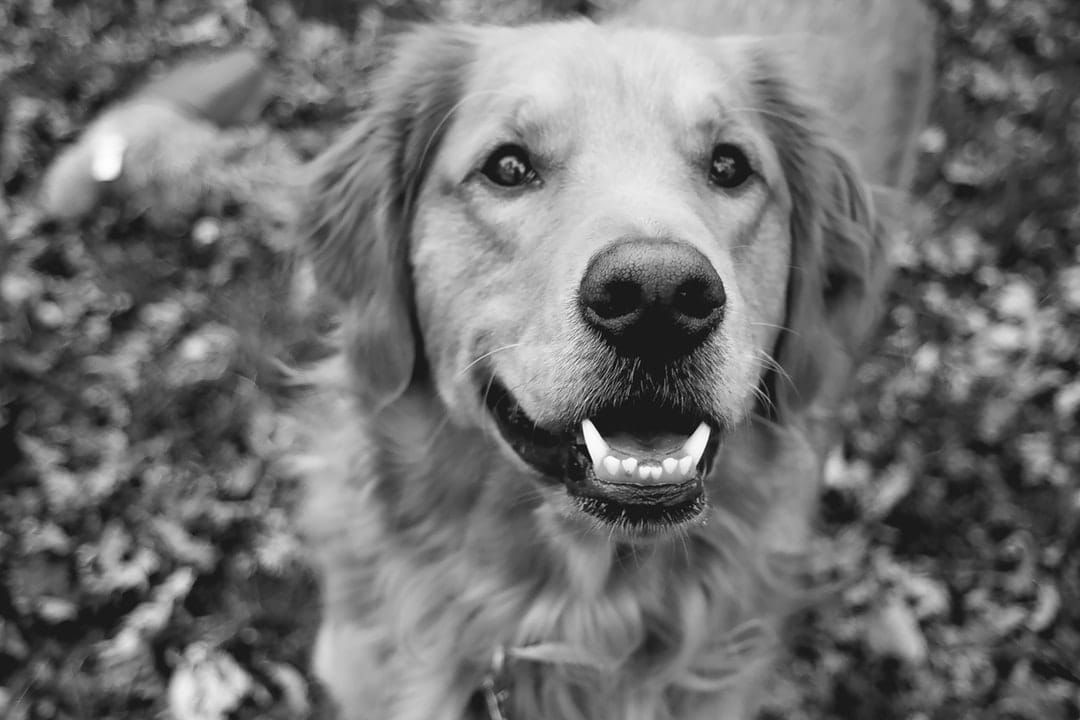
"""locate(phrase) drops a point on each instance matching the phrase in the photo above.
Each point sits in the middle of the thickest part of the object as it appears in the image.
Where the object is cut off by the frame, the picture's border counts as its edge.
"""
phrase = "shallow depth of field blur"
(147, 562)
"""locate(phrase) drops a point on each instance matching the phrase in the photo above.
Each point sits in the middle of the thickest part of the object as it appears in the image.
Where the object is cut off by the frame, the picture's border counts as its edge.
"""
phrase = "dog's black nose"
(652, 299)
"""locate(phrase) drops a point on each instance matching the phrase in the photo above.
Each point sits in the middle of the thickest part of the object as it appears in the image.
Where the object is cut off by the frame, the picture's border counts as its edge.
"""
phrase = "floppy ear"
(838, 257)
(355, 218)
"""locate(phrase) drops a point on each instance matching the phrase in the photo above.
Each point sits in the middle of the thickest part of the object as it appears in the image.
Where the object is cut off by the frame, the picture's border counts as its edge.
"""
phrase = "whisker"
(767, 422)
(486, 425)
(763, 396)
(771, 363)
(784, 328)
(488, 354)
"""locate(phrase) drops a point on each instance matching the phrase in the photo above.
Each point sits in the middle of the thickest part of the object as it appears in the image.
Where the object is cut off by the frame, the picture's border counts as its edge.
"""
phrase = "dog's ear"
(839, 263)
(356, 215)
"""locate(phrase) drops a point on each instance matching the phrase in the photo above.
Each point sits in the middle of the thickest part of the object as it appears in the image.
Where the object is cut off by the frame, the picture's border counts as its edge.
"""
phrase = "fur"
(437, 546)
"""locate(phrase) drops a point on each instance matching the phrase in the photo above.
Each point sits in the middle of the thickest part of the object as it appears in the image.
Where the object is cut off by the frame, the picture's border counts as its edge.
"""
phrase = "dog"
(601, 287)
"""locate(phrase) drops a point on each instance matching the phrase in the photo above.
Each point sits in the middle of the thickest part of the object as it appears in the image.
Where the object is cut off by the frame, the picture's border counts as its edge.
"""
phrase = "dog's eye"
(509, 166)
(730, 166)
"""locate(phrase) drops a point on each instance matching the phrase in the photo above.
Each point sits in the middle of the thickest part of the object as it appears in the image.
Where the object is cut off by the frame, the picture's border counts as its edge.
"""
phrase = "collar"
(495, 688)
(491, 699)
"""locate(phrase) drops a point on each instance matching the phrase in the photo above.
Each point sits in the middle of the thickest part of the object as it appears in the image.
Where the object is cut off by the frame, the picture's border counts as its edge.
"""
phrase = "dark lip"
(560, 456)
(641, 509)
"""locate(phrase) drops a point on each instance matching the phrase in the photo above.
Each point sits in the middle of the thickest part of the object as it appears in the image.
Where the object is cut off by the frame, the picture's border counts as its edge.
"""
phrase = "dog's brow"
(531, 114)
(523, 109)
(710, 117)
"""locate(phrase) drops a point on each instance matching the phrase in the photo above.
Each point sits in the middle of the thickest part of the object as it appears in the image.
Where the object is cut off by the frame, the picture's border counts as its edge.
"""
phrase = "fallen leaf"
(208, 684)
(894, 631)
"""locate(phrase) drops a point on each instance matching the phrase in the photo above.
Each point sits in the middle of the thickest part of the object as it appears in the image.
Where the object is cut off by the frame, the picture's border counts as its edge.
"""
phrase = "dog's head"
(611, 245)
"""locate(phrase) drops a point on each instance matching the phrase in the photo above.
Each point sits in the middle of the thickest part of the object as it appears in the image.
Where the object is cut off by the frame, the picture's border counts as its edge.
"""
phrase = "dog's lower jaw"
(563, 520)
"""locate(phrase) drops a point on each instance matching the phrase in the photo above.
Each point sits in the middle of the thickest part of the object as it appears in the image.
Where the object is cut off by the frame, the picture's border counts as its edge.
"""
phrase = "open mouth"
(638, 466)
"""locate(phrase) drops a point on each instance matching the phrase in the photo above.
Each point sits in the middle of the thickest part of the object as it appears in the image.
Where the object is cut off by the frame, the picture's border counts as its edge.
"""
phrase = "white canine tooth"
(598, 447)
(629, 465)
(612, 465)
(695, 445)
(657, 471)
(685, 465)
(644, 471)
(669, 465)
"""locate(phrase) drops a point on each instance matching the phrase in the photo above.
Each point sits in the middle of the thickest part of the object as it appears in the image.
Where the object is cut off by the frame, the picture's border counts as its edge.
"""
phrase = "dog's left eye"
(509, 166)
(730, 167)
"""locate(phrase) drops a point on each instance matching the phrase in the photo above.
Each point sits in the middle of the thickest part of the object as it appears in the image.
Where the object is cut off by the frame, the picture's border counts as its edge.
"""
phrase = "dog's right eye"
(509, 166)
(730, 166)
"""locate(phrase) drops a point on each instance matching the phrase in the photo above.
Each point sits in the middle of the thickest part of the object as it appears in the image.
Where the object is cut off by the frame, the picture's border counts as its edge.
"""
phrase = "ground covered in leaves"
(147, 562)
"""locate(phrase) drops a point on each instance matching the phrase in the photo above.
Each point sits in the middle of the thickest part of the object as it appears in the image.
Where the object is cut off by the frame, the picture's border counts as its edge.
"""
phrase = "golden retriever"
(601, 288)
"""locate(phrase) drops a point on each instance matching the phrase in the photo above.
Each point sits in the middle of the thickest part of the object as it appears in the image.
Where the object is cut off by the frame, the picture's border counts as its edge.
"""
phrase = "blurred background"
(147, 562)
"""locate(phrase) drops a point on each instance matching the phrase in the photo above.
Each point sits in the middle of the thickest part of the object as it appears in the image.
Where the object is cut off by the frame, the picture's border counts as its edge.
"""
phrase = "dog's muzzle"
(637, 461)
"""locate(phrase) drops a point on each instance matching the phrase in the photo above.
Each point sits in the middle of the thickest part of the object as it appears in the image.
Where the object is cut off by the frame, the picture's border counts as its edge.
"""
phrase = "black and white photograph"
(540, 359)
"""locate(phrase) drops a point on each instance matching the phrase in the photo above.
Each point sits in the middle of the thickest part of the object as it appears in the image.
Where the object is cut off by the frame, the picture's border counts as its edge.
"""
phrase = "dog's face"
(595, 238)
(600, 258)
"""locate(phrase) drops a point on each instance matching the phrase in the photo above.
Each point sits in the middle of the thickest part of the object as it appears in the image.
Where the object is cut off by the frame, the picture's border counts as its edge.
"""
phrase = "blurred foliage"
(146, 557)
(956, 498)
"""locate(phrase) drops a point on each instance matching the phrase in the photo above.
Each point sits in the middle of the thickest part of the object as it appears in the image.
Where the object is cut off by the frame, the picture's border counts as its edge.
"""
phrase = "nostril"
(698, 299)
(617, 299)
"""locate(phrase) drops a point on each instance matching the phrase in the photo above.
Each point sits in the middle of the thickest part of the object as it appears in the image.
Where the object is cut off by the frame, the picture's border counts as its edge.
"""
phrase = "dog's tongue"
(653, 444)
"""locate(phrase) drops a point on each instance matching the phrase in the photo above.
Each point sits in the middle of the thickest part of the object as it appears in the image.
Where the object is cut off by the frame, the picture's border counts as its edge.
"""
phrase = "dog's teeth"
(648, 471)
(612, 465)
(685, 465)
(606, 464)
(597, 446)
(695, 445)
